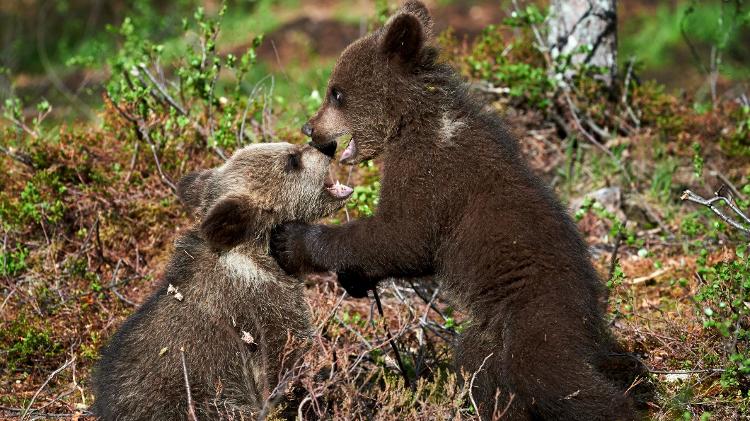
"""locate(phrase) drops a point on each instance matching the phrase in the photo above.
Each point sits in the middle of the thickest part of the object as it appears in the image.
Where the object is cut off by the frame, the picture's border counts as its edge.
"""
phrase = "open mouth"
(347, 157)
(337, 190)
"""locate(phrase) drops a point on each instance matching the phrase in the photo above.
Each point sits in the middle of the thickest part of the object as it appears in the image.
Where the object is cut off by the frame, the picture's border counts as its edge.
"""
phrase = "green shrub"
(27, 345)
(207, 98)
(724, 302)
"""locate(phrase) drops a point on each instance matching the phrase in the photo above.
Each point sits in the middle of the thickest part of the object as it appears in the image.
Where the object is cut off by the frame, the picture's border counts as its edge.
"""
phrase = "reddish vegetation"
(92, 262)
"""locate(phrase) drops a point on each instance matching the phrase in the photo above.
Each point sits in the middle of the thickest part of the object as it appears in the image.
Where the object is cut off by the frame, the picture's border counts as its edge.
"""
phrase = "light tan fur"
(223, 303)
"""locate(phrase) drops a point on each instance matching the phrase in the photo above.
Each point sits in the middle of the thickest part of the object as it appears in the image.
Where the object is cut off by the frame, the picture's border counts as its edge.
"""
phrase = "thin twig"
(16, 157)
(709, 203)
(143, 129)
(707, 370)
(250, 100)
(716, 173)
(49, 378)
(401, 367)
(590, 138)
(142, 132)
(113, 285)
(471, 384)
(162, 90)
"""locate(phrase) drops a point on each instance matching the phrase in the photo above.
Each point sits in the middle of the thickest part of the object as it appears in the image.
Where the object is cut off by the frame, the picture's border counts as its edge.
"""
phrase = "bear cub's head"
(377, 80)
(259, 187)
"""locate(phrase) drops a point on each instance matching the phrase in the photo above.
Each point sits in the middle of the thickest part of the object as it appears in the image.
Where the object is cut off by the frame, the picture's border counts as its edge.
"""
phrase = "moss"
(27, 345)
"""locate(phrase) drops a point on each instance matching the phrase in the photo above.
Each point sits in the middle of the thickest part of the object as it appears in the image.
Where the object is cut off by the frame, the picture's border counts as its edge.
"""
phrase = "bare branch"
(709, 203)
(17, 157)
(49, 378)
(392, 341)
(143, 134)
(162, 90)
(143, 130)
(471, 384)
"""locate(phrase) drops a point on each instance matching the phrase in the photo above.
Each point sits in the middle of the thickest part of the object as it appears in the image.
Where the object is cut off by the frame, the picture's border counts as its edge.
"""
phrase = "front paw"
(355, 284)
(288, 247)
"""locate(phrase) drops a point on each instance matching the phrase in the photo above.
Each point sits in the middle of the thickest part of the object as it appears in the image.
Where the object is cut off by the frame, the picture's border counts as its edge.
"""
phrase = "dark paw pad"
(355, 285)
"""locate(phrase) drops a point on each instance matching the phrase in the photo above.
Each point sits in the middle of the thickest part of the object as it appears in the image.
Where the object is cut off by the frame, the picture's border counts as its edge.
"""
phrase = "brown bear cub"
(224, 303)
(459, 202)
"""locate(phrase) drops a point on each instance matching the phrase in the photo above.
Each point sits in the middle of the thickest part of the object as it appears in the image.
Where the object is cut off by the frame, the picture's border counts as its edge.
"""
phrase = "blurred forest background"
(105, 104)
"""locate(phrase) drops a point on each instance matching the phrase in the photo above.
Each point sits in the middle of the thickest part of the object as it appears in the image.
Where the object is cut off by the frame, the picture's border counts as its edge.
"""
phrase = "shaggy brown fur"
(223, 301)
(458, 201)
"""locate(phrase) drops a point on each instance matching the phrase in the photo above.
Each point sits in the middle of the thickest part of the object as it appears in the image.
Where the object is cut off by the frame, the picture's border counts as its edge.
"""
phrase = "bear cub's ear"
(190, 188)
(418, 9)
(234, 220)
(404, 38)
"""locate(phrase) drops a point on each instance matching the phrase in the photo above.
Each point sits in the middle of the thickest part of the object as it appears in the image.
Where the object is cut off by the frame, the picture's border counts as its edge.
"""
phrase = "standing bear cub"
(459, 202)
(224, 303)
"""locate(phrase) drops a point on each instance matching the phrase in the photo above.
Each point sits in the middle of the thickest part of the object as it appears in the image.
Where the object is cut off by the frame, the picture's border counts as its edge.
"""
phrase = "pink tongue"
(340, 191)
(349, 152)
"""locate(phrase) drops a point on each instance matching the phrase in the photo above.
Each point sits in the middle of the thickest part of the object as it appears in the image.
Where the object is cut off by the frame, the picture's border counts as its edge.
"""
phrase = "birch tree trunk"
(592, 23)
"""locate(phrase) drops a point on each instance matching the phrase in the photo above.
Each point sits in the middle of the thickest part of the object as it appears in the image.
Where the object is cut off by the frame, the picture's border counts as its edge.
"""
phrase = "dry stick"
(191, 408)
(709, 203)
(143, 129)
(705, 370)
(250, 100)
(391, 340)
(16, 157)
(471, 384)
(49, 378)
(592, 139)
(716, 173)
(164, 97)
(162, 90)
(143, 134)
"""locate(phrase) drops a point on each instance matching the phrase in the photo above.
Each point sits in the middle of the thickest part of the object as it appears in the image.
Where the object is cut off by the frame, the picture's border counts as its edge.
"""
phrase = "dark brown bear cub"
(458, 201)
(224, 304)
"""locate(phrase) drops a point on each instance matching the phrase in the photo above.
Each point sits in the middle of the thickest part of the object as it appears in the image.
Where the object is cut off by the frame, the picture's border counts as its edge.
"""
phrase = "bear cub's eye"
(337, 97)
(293, 162)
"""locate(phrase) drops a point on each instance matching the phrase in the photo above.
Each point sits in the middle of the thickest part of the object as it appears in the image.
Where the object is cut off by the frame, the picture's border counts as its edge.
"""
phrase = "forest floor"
(88, 225)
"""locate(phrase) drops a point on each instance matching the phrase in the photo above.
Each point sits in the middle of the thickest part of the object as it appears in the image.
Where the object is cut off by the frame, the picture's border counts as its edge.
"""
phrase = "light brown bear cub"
(223, 303)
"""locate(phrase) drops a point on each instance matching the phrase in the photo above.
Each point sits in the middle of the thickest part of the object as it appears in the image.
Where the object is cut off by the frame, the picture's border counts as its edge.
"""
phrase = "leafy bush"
(724, 301)
(26, 345)
(206, 100)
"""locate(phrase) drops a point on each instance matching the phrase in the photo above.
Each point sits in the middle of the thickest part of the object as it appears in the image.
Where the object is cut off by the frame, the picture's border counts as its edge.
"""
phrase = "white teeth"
(340, 191)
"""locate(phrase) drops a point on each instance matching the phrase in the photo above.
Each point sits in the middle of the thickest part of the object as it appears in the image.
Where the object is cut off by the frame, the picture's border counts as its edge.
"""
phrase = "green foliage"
(522, 71)
(365, 199)
(697, 160)
(72, 32)
(206, 101)
(382, 11)
(39, 201)
(13, 262)
(663, 38)
(738, 143)
(524, 18)
(724, 301)
(618, 276)
(661, 181)
(26, 345)
(524, 74)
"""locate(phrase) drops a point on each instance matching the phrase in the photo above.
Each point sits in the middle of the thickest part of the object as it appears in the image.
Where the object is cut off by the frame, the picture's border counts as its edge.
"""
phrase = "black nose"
(307, 130)
(328, 149)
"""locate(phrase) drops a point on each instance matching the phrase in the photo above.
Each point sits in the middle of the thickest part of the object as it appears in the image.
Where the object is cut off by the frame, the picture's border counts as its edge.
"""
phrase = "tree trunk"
(591, 23)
